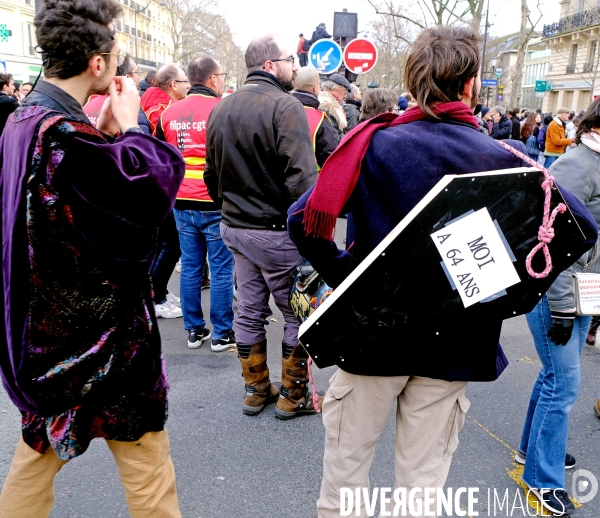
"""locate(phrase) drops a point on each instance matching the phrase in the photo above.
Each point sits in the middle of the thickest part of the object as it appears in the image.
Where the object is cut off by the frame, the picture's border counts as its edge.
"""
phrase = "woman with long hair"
(529, 135)
(559, 334)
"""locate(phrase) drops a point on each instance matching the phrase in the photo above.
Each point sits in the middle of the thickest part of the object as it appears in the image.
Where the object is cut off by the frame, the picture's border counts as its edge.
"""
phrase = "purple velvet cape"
(119, 193)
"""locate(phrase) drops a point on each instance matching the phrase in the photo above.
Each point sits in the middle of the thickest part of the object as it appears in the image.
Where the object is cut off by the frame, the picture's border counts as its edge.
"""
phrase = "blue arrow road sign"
(489, 82)
(325, 56)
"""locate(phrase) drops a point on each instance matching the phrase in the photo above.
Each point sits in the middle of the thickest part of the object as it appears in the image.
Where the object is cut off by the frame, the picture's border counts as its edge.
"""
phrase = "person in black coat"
(148, 81)
(502, 127)
(320, 33)
(8, 103)
(352, 107)
(516, 124)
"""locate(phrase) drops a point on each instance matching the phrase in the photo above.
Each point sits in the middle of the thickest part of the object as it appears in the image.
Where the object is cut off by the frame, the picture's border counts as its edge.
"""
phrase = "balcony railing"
(575, 21)
(588, 67)
(570, 69)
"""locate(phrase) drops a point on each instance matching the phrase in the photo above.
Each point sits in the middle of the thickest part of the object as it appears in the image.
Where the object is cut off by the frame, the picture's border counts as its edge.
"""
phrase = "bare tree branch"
(395, 15)
(525, 34)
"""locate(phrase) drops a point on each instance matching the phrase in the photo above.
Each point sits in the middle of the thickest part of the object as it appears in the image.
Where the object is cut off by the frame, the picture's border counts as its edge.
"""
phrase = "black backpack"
(307, 44)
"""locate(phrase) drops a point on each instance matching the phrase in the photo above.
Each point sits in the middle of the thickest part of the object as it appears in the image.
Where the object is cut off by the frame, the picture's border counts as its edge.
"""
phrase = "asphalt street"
(230, 465)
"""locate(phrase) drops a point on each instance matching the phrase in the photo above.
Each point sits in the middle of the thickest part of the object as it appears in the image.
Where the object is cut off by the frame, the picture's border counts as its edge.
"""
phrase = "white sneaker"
(167, 310)
(176, 301)
(178, 266)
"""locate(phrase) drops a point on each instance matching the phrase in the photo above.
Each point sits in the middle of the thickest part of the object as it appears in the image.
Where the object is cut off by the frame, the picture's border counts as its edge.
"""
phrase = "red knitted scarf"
(342, 169)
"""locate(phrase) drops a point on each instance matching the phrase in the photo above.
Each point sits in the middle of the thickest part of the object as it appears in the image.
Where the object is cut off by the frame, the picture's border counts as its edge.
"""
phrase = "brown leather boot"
(294, 398)
(259, 390)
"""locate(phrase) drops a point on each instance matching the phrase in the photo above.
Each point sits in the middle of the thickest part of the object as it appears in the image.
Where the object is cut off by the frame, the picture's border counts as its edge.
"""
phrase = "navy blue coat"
(502, 129)
(400, 167)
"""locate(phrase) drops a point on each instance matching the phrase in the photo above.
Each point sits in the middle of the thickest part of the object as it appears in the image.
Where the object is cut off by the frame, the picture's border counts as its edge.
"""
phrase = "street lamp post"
(135, 13)
(492, 61)
(487, 25)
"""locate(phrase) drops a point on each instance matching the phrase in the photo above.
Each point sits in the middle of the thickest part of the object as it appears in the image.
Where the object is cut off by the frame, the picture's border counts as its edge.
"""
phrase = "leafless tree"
(196, 28)
(390, 35)
(433, 12)
(527, 30)
(183, 16)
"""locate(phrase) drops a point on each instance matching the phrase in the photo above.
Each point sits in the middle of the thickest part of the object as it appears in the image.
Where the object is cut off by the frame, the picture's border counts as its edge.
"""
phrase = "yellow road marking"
(513, 451)
(516, 473)
(527, 359)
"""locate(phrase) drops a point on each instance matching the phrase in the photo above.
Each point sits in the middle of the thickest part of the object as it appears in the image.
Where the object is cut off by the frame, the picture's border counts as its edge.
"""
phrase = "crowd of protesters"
(248, 185)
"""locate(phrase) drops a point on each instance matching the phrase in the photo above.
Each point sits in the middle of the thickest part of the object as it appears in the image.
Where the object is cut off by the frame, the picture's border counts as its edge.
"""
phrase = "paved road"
(230, 465)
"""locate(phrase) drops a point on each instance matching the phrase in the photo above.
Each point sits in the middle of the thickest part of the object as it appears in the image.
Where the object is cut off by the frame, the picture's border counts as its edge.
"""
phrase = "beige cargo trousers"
(429, 415)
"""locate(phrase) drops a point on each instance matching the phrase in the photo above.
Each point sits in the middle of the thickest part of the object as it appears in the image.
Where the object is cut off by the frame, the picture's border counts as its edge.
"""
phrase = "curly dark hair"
(70, 32)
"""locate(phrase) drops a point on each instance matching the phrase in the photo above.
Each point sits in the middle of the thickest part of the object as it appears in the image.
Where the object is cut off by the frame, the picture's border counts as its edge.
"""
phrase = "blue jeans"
(549, 161)
(199, 234)
(546, 426)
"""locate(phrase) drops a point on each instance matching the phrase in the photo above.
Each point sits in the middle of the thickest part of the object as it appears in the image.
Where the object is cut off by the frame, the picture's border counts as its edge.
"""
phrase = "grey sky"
(248, 18)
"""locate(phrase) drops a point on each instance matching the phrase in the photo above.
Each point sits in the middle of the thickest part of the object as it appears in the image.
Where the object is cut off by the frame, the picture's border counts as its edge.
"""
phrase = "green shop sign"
(4, 33)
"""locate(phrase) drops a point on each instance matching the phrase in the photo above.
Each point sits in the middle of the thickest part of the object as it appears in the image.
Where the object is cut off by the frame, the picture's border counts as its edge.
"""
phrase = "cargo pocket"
(455, 423)
(334, 406)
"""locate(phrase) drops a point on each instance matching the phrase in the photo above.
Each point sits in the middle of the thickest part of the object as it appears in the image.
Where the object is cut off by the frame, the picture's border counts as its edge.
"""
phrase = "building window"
(580, 6)
(591, 60)
(31, 39)
(572, 61)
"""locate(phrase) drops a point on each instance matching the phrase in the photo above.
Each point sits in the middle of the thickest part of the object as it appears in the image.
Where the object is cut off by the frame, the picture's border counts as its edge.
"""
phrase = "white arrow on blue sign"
(325, 56)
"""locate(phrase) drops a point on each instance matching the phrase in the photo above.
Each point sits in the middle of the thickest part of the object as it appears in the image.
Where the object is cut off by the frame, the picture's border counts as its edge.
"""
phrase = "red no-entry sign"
(360, 56)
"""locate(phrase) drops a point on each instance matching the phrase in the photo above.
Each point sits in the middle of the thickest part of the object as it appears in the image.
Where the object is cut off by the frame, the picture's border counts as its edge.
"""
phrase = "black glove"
(561, 327)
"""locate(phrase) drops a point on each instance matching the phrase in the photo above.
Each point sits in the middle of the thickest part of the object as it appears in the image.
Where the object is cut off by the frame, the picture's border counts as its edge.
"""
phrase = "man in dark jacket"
(148, 81)
(402, 163)
(321, 132)
(8, 103)
(352, 107)
(515, 133)
(502, 127)
(259, 160)
(320, 33)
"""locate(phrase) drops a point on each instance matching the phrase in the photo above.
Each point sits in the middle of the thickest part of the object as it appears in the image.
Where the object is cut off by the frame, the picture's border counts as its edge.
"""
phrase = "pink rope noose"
(546, 230)
(315, 396)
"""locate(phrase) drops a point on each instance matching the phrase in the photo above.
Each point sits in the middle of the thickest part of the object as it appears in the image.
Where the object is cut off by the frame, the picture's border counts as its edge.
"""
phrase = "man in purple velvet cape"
(80, 350)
